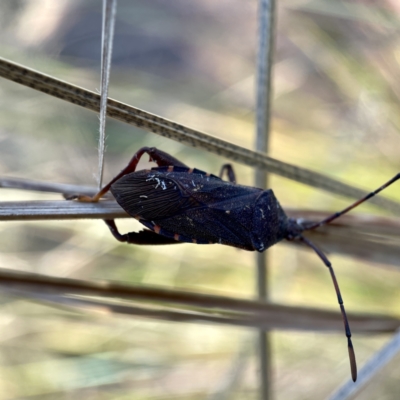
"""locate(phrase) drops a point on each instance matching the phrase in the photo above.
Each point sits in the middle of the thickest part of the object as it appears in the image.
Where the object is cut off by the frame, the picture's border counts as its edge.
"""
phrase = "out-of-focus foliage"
(336, 98)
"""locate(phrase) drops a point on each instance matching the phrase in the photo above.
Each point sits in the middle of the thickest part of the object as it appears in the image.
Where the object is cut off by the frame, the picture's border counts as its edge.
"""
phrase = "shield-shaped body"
(192, 206)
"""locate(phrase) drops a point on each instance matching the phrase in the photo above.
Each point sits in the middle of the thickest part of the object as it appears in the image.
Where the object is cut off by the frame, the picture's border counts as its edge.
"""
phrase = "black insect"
(181, 204)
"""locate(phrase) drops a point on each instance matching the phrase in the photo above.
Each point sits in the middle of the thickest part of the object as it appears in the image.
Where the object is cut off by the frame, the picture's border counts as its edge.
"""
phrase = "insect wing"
(150, 195)
(220, 213)
(196, 207)
(205, 225)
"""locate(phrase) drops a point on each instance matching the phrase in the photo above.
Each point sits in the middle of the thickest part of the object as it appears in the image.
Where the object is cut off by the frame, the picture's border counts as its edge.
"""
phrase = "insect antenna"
(354, 205)
(322, 256)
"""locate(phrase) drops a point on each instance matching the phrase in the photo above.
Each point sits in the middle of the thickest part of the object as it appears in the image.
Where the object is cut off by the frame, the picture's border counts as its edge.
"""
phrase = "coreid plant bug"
(180, 204)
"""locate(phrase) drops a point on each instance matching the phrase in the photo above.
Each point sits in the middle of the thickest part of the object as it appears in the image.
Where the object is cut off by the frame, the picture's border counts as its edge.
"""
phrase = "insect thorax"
(269, 221)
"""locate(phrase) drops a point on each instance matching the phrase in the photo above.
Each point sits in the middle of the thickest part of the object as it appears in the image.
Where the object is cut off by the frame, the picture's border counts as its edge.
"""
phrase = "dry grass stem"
(374, 239)
(49, 187)
(181, 133)
(59, 209)
(107, 38)
(195, 306)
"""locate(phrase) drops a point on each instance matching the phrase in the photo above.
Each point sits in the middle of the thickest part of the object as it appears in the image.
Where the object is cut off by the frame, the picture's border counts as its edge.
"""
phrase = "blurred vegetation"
(336, 96)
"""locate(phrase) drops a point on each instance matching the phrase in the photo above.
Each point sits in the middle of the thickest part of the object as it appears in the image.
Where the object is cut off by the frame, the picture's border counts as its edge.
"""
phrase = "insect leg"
(159, 157)
(131, 167)
(229, 172)
(322, 256)
(354, 205)
(163, 159)
(145, 237)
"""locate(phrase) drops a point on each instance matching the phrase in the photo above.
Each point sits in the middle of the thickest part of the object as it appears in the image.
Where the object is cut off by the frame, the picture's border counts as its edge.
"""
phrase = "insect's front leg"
(228, 169)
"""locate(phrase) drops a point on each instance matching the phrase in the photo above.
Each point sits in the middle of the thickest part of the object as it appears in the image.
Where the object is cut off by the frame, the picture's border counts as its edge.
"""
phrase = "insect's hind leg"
(163, 159)
(158, 156)
(228, 169)
(145, 237)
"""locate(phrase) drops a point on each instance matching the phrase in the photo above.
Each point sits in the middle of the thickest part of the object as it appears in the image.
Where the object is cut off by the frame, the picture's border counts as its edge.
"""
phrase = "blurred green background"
(335, 110)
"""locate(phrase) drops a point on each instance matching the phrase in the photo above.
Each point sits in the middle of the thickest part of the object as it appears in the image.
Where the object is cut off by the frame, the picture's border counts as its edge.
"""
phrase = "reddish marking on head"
(157, 229)
(170, 168)
(190, 170)
(137, 217)
(176, 237)
(208, 174)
